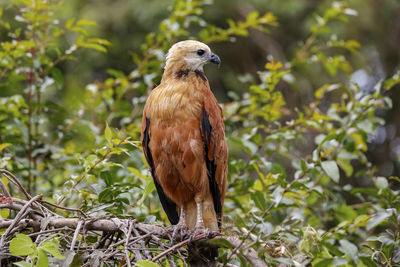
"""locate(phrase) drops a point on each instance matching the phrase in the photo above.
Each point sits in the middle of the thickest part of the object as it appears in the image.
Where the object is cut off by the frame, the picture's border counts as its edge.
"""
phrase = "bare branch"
(22, 213)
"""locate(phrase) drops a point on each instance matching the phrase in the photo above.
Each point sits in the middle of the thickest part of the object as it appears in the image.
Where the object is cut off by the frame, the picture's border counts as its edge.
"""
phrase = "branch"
(22, 213)
(149, 241)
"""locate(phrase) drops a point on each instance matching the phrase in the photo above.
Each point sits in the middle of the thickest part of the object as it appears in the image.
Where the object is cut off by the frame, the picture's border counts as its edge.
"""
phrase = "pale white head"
(191, 55)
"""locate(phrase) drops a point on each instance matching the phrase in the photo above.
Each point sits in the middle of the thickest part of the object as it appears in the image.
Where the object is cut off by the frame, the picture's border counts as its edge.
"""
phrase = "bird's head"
(190, 55)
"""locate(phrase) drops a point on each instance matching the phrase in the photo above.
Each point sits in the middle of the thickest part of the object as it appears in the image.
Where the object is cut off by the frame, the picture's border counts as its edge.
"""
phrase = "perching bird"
(183, 138)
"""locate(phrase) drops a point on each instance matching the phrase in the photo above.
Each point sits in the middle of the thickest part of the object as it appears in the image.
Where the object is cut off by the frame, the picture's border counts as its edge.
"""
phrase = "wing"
(168, 205)
(216, 152)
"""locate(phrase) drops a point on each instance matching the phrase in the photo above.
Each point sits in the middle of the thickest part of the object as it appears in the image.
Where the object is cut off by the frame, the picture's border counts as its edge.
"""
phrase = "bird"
(183, 140)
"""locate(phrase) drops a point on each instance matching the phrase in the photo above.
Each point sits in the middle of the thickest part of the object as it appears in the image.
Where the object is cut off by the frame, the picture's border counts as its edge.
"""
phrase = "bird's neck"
(182, 72)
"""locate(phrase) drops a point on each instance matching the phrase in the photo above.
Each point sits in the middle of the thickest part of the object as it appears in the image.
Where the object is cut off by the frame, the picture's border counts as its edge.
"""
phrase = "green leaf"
(69, 23)
(150, 186)
(394, 178)
(349, 249)
(286, 261)
(367, 261)
(322, 262)
(344, 212)
(4, 145)
(377, 219)
(346, 166)
(52, 247)
(43, 261)
(108, 134)
(391, 82)
(57, 76)
(94, 46)
(259, 200)
(333, 249)
(85, 22)
(145, 263)
(23, 264)
(4, 213)
(331, 169)
(21, 245)
(221, 242)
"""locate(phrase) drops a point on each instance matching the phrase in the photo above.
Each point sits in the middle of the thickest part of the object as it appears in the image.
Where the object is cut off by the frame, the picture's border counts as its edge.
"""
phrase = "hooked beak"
(215, 59)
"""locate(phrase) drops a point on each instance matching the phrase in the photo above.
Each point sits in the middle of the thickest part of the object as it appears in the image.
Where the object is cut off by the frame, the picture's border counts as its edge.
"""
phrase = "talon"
(183, 234)
(209, 233)
(190, 239)
(181, 226)
(173, 236)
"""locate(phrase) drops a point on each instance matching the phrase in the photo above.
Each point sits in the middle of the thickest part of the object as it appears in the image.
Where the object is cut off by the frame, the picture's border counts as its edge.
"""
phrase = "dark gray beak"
(215, 59)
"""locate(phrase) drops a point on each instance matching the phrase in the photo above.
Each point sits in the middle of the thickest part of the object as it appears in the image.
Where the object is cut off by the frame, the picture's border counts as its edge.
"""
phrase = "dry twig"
(149, 241)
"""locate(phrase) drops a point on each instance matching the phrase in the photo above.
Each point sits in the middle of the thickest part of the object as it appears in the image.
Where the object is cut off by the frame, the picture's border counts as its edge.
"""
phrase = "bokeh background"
(125, 23)
(314, 136)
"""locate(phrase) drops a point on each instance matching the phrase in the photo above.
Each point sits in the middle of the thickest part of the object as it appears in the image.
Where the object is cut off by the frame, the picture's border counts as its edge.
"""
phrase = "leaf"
(4, 145)
(221, 242)
(52, 247)
(394, 178)
(286, 261)
(22, 264)
(150, 187)
(333, 249)
(322, 262)
(43, 261)
(69, 23)
(85, 22)
(137, 173)
(349, 249)
(367, 261)
(94, 46)
(331, 169)
(21, 245)
(377, 219)
(4, 213)
(145, 263)
(393, 81)
(259, 200)
(72, 259)
(345, 165)
(108, 134)
(58, 76)
(106, 176)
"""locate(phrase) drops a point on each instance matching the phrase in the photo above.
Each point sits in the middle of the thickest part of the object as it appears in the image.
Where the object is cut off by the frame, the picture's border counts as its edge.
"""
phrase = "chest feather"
(174, 104)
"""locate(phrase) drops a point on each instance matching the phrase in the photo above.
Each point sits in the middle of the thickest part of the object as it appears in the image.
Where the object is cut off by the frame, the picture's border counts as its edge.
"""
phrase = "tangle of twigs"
(91, 240)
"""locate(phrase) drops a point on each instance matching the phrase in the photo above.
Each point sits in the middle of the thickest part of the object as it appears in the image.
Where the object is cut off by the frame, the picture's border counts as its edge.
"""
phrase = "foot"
(180, 228)
(198, 231)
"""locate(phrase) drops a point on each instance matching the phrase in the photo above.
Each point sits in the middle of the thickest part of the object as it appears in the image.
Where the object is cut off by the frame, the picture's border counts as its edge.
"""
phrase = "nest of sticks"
(93, 241)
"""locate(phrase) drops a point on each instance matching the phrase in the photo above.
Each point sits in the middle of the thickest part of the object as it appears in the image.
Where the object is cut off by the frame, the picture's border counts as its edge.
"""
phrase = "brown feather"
(175, 111)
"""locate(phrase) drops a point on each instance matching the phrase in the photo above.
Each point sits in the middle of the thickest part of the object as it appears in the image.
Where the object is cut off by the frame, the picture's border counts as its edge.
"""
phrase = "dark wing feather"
(207, 133)
(168, 205)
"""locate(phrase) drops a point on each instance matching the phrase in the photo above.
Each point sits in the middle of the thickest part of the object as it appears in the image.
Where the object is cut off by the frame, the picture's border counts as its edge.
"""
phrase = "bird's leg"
(199, 221)
(199, 228)
(180, 226)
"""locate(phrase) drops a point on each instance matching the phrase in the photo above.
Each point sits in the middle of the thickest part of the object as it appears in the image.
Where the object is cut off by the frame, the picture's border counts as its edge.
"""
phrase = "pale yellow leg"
(199, 220)
(182, 218)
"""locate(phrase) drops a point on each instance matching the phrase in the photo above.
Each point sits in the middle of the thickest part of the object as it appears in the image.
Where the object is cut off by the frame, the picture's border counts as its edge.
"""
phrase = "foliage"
(301, 187)
(22, 245)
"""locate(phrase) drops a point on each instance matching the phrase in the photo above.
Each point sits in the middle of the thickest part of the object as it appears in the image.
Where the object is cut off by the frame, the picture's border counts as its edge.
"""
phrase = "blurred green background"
(70, 130)
(125, 24)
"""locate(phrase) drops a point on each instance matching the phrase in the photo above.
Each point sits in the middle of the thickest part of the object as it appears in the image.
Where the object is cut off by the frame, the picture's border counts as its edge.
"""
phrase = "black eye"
(200, 52)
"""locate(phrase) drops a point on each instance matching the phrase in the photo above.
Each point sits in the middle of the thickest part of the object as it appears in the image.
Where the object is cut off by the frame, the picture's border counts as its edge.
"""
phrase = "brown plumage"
(183, 137)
